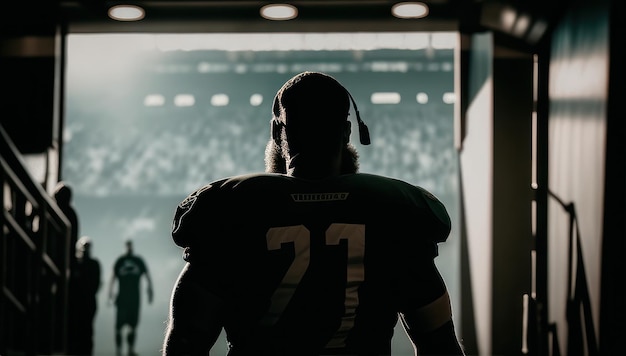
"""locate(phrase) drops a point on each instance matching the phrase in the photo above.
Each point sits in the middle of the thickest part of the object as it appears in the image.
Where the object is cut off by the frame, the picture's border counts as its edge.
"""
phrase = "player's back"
(312, 267)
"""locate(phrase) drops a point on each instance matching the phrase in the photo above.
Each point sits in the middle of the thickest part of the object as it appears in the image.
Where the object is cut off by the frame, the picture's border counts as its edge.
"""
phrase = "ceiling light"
(126, 13)
(507, 19)
(521, 25)
(409, 10)
(279, 12)
(537, 31)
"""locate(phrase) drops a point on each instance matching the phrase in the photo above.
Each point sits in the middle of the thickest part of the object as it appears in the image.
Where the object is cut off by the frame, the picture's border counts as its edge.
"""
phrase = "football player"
(310, 257)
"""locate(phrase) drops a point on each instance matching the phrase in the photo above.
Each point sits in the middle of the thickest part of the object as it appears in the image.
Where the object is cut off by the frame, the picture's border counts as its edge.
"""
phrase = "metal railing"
(34, 261)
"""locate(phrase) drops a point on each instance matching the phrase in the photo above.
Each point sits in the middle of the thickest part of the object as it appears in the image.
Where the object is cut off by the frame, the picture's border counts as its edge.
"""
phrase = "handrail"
(580, 328)
(11, 154)
(34, 261)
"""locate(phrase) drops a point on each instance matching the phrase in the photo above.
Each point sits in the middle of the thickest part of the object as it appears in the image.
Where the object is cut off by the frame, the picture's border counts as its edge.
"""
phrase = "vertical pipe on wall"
(541, 202)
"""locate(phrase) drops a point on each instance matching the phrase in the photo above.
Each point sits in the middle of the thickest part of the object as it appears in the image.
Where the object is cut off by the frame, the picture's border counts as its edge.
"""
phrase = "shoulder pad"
(181, 217)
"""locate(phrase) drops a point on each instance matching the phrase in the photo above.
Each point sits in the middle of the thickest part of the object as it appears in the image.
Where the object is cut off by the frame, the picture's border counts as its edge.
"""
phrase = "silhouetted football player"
(127, 271)
(311, 258)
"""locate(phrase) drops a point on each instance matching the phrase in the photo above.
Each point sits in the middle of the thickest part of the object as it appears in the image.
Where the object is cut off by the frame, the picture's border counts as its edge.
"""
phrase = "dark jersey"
(313, 267)
(128, 269)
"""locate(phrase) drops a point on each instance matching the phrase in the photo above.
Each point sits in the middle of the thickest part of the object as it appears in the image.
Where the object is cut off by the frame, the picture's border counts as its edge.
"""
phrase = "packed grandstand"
(186, 118)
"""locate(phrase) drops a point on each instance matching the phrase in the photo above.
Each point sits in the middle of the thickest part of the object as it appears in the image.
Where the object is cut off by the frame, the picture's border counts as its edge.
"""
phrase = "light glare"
(126, 13)
(279, 12)
(448, 98)
(220, 100)
(154, 100)
(521, 25)
(256, 99)
(182, 100)
(409, 10)
(385, 98)
(538, 29)
(507, 19)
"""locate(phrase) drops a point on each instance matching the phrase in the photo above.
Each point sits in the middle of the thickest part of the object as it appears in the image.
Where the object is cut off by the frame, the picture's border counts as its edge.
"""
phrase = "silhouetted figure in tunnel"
(63, 196)
(310, 258)
(127, 271)
(84, 285)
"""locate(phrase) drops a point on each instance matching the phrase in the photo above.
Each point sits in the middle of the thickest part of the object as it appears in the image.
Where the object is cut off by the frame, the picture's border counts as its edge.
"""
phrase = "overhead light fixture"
(537, 30)
(521, 25)
(279, 12)
(126, 13)
(508, 15)
(409, 10)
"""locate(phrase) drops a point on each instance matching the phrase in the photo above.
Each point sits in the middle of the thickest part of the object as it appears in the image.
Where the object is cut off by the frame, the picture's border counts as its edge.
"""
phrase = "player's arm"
(431, 328)
(149, 283)
(195, 317)
(426, 311)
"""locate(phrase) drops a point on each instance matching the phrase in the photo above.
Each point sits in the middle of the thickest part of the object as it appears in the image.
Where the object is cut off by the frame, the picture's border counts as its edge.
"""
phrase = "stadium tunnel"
(538, 142)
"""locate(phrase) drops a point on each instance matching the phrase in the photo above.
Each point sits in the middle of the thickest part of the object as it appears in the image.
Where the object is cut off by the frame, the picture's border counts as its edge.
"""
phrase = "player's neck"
(299, 166)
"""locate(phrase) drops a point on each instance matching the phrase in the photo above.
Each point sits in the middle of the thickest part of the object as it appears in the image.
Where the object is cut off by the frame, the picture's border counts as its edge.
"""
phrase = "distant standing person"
(84, 285)
(128, 270)
(63, 196)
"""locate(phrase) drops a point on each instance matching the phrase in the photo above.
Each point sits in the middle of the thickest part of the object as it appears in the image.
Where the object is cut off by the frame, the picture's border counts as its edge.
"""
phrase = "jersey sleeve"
(143, 265)
(418, 280)
(189, 218)
(440, 223)
(437, 207)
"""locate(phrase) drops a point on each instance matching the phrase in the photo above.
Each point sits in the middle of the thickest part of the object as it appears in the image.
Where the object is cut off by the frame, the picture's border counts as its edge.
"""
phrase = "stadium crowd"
(170, 150)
